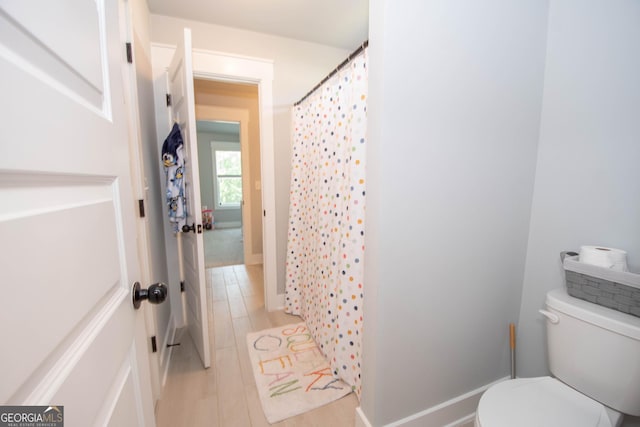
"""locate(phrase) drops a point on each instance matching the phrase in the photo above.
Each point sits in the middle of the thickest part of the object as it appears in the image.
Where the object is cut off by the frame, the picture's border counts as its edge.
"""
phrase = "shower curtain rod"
(355, 53)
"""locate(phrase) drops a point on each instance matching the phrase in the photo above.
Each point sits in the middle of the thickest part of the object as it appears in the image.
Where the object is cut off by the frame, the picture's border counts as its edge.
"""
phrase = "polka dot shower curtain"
(325, 246)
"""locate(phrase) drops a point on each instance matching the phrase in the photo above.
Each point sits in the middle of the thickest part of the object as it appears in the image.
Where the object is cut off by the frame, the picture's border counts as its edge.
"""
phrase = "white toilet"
(594, 355)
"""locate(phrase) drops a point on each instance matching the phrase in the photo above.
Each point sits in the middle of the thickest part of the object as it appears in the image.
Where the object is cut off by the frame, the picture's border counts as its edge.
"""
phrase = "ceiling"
(339, 23)
(231, 128)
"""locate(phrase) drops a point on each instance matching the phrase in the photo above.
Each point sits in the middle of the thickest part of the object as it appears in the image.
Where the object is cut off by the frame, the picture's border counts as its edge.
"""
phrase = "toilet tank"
(595, 350)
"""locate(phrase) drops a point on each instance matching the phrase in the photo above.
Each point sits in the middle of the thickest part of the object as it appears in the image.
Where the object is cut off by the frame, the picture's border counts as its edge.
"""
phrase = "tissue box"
(618, 290)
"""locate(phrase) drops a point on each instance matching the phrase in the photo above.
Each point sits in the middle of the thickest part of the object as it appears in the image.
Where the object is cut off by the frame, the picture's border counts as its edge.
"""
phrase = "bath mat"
(292, 376)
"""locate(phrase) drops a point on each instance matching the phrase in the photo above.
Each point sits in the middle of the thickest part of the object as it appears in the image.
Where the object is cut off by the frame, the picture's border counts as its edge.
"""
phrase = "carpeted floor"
(223, 247)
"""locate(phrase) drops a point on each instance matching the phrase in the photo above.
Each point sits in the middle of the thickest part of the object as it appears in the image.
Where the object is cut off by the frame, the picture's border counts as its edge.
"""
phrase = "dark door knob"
(156, 294)
(188, 228)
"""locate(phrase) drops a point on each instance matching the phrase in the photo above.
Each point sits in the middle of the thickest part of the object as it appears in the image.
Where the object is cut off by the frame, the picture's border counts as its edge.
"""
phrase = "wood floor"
(225, 394)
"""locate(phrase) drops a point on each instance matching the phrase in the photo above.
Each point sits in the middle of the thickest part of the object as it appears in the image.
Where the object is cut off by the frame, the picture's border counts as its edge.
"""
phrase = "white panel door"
(183, 112)
(68, 257)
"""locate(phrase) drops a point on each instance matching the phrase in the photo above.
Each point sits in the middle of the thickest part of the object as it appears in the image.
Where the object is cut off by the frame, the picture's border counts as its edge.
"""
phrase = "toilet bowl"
(593, 355)
(541, 402)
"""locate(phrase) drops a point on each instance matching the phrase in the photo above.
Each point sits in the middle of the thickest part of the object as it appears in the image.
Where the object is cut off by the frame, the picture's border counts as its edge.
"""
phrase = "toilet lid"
(535, 402)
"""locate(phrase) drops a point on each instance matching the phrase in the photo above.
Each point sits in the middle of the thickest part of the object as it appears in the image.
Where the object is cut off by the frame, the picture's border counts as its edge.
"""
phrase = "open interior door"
(192, 255)
(71, 336)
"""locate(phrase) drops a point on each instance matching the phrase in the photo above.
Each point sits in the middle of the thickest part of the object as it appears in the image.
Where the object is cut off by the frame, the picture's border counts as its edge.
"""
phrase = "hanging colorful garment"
(173, 161)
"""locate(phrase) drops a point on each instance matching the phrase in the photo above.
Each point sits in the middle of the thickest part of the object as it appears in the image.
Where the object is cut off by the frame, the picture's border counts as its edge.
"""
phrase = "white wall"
(454, 107)
(587, 188)
(298, 66)
(495, 91)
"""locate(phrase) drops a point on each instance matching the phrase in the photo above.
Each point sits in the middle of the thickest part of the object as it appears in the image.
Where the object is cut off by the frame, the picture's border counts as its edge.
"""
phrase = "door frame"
(139, 172)
(211, 65)
(142, 223)
(240, 115)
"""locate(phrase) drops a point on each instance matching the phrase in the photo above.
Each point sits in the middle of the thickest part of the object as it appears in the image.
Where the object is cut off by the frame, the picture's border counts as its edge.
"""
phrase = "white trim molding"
(361, 419)
(457, 412)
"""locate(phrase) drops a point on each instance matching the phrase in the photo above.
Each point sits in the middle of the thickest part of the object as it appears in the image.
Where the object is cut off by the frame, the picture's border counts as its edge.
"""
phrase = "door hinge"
(141, 207)
(181, 286)
(154, 344)
(168, 100)
(129, 53)
(264, 213)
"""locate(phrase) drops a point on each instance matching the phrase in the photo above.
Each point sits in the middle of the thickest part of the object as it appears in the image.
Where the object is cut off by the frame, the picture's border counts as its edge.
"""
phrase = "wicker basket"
(613, 289)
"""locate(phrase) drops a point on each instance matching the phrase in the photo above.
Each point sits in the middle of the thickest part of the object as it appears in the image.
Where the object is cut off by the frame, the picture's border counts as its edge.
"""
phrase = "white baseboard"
(361, 419)
(253, 259)
(467, 421)
(279, 302)
(457, 412)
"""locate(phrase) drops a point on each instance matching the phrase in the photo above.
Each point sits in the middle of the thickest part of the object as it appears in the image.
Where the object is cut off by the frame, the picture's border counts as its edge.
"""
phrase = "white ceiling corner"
(338, 23)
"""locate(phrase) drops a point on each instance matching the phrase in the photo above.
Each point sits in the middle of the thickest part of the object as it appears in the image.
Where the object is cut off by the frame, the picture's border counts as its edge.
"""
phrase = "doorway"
(229, 133)
(220, 161)
(221, 67)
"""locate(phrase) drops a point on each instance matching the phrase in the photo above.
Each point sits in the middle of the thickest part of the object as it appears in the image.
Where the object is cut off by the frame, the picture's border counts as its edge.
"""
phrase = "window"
(228, 171)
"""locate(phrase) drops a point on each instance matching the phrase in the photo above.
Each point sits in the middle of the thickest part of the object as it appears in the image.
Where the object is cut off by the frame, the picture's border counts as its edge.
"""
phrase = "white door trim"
(130, 87)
